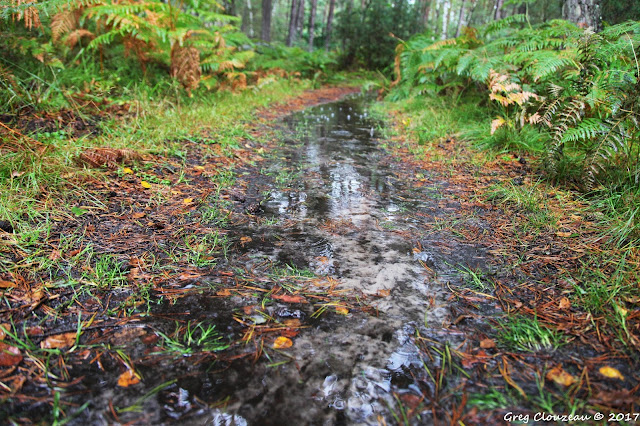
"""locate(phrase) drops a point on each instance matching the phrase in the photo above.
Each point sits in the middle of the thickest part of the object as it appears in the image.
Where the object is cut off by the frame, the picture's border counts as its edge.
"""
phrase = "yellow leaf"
(342, 310)
(145, 184)
(561, 377)
(611, 373)
(128, 378)
(282, 343)
(187, 201)
(127, 171)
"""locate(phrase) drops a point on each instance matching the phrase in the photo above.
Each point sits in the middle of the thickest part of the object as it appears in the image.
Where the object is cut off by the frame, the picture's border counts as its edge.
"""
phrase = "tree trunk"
(327, 39)
(300, 18)
(266, 20)
(584, 13)
(497, 13)
(312, 23)
(460, 18)
(445, 19)
(293, 16)
(247, 20)
(426, 11)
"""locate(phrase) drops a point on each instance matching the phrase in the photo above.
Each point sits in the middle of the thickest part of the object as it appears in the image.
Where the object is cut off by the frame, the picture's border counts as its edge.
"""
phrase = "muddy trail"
(322, 281)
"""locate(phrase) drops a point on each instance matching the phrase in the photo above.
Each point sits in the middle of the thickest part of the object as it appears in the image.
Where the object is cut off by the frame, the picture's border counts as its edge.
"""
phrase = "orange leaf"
(6, 284)
(383, 293)
(138, 215)
(611, 373)
(145, 184)
(561, 377)
(487, 344)
(288, 298)
(223, 292)
(58, 341)
(282, 343)
(292, 322)
(564, 303)
(9, 355)
(128, 378)
(3, 330)
(563, 234)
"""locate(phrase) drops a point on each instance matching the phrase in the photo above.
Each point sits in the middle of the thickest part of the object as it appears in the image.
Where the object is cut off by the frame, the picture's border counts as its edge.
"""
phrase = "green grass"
(529, 335)
(192, 338)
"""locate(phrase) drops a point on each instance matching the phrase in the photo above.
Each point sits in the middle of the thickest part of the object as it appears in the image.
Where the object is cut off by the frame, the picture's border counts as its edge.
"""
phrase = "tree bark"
(584, 13)
(312, 23)
(266, 20)
(327, 39)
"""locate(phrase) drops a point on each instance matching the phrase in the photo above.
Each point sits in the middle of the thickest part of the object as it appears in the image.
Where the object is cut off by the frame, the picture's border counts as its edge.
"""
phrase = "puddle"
(335, 210)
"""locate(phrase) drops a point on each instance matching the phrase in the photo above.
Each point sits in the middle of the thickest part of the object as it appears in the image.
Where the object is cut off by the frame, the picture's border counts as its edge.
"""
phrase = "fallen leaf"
(282, 343)
(58, 341)
(127, 171)
(564, 303)
(290, 332)
(611, 372)
(128, 378)
(342, 310)
(138, 215)
(292, 322)
(3, 330)
(54, 255)
(7, 284)
(9, 355)
(416, 250)
(289, 298)
(245, 240)
(223, 292)
(487, 344)
(145, 184)
(383, 293)
(563, 234)
(561, 377)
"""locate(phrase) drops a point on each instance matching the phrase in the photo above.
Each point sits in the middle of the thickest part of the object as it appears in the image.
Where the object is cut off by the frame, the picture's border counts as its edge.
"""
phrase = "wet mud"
(335, 208)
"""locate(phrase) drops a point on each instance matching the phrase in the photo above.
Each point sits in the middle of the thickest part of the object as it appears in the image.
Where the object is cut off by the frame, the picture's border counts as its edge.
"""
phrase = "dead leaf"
(610, 372)
(342, 310)
(487, 344)
(58, 341)
(7, 284)
(138, 215)
(3, 330)
(383, 293)
(9, 355)
(245, 240)
(564, 234)
(145, 184)
(187, 201)
(292, 322)
(128, 378)
(289, 298)
(127, 171)
(565, 303)
(561, 377)
(282, 343)
(223, 292)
